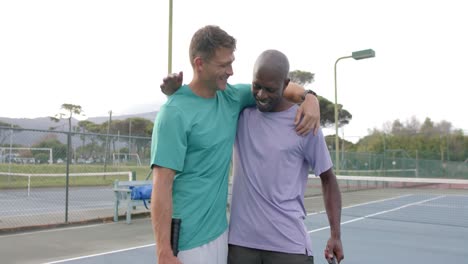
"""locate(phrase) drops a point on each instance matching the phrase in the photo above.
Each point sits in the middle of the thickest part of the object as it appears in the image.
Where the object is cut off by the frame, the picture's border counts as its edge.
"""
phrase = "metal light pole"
(107, 150)
(67, 170)
(169, 54)
(357, 55)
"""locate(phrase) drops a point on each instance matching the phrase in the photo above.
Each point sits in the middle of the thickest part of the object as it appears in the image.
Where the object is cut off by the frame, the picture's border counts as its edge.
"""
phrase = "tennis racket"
(175, 230)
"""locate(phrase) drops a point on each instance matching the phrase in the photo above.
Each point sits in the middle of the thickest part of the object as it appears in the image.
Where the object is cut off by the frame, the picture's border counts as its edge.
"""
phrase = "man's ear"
(198, 63)
(286, 83)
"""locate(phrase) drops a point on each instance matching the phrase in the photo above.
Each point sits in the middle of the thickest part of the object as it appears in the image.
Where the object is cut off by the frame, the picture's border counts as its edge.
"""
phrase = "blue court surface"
(404, 228)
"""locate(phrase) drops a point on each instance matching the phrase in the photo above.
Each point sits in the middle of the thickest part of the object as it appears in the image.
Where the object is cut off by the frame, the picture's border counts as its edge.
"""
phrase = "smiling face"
(216, 70)
(270, 78)
(267, 88)
(211, 55)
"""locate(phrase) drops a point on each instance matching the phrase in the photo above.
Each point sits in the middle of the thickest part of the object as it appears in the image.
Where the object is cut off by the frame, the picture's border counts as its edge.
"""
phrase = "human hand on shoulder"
(171, 83)
(309, 110)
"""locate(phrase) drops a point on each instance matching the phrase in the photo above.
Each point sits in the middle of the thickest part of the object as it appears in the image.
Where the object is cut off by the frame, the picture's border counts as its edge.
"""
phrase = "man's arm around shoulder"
(308, 114)
(161, 213)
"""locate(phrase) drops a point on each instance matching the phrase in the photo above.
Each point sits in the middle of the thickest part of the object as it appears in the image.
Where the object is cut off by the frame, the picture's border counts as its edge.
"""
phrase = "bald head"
(270, 78)
(273, 61)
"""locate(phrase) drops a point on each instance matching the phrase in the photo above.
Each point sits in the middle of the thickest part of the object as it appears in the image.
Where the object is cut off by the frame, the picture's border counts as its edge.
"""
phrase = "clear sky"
(111, 55)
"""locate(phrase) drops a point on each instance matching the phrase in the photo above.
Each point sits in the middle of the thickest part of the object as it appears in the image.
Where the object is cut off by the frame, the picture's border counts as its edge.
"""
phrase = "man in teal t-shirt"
(198, 147)
(191, 151)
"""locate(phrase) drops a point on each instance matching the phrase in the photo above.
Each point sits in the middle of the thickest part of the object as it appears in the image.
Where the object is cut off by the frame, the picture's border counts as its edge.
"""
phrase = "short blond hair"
(207, 40)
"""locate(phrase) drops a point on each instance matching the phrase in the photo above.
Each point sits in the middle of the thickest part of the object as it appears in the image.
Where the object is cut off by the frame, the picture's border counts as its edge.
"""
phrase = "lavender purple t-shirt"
(271, 165)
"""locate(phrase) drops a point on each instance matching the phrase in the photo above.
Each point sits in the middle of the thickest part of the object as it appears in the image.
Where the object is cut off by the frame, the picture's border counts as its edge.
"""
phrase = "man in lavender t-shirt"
(271, 164)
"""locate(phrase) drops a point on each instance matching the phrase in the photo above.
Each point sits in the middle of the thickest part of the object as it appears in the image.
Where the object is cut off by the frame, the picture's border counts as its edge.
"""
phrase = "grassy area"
(10, 181)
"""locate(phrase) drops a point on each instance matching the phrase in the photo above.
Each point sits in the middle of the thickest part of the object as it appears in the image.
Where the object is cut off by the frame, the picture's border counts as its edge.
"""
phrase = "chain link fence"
(58, 177)
(372, 164)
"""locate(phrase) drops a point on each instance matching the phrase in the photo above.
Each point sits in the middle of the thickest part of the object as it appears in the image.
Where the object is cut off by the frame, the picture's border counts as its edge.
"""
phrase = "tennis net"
(28, 181)
(387, 173)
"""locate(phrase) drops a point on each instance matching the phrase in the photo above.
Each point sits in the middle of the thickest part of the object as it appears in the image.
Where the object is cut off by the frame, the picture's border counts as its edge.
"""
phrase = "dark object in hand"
(175, 230)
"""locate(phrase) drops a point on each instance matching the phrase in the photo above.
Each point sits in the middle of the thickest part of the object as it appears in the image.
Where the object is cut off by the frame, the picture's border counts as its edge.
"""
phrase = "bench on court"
(122, 194)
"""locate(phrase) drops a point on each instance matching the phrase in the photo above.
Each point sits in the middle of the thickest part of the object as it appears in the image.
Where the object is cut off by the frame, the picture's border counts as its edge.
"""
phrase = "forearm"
(332, 201)
(295, 93)
(161, 209)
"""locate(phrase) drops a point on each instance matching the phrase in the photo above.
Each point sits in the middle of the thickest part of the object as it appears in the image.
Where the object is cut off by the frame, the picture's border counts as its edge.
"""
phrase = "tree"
(427, 127)
(3, 124)
(69, 109)
(4, 133)
(327, 108)
(327, 113)
(50, 141)
(138, 128)
(397, 127)
(132, 131)
(429, 140)
(302, 77)
(91, 149)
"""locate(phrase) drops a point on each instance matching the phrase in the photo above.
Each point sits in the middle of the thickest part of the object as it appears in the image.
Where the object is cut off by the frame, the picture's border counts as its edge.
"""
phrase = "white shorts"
(214, 252)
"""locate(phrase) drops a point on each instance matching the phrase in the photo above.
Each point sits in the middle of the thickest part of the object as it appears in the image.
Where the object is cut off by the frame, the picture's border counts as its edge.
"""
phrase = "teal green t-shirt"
(194, 136)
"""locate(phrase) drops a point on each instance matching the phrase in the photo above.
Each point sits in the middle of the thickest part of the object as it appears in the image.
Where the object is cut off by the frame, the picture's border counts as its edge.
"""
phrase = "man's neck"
(202, 89)
(285, 105)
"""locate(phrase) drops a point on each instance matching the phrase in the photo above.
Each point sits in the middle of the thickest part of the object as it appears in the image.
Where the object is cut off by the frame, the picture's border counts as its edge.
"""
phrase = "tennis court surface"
(384, 220)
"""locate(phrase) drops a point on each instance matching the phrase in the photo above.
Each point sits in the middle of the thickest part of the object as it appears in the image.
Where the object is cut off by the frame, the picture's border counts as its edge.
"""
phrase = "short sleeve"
(245, 95)
(169, 139)
(316, 153)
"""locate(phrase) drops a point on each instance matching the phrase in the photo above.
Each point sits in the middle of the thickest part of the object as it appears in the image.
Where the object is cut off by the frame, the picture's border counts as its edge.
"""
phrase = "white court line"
(59, 229)
(312, 231)
(56, 229)
(40, 210)
(354, 205)
(99, 254)
(312, 197)
(449, 206)
(379, 213)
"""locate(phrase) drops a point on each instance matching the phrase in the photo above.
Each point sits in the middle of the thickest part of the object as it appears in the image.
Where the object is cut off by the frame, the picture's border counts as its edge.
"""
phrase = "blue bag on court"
(142, 192)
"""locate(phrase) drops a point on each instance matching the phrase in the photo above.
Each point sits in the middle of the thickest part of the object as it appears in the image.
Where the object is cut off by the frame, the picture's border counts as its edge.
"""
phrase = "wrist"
(167, 257)
(335, 234)
(164, 247)
(306, 92)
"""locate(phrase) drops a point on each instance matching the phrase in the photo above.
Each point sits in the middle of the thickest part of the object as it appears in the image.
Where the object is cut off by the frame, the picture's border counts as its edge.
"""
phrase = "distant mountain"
(101, 119)
(44, 123)
(28, 138)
